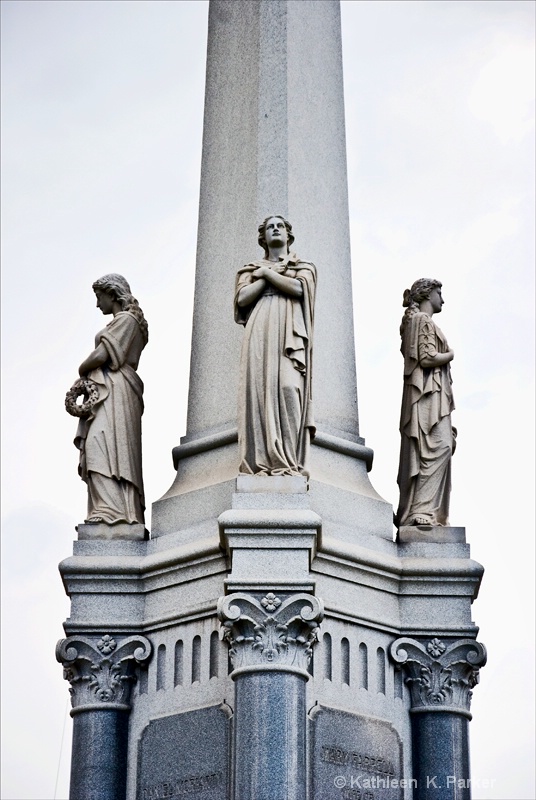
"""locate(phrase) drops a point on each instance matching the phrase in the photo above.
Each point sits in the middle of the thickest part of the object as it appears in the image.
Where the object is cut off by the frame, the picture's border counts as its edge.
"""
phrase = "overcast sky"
(102, 107)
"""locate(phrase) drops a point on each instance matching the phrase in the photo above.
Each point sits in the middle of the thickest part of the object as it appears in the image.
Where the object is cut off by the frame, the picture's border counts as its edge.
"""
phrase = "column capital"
(440, 675)
(101, 670)
(270, 631)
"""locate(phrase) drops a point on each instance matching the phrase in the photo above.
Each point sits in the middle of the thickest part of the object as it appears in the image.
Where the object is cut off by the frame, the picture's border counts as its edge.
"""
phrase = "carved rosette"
(270, 632)
(101, 671)
(440, 676)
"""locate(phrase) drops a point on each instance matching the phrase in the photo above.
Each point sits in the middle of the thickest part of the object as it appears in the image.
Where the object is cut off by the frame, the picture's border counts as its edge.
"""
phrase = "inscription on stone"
(185, 755)
(355, 757)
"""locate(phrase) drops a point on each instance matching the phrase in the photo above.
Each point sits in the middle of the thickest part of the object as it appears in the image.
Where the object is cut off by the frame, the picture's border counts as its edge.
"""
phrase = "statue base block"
(282, 484)
(428, 533)
(122, 530)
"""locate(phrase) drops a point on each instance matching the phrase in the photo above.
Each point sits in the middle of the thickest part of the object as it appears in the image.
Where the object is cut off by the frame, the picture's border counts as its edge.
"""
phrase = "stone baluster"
(270, 641)
(101, 673)
(440, 676)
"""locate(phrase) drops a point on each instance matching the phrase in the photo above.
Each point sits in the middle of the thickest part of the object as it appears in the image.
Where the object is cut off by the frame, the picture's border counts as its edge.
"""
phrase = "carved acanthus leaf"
(439, 675)
(101, 671)
(270, 630)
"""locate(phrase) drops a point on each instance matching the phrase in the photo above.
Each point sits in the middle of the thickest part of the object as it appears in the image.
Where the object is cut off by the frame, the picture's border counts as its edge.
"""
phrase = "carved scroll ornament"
(101, 671)
(269, 631)
(440, 676)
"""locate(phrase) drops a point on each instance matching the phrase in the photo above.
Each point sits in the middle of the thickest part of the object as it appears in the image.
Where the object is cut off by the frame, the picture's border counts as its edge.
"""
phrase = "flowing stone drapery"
(275, 416)
(424, 475)
(110, 439)
(109, 431)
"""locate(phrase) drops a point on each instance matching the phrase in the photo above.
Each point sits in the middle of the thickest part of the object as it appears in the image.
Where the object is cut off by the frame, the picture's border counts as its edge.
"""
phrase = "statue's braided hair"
(117, 286)
(419, 291)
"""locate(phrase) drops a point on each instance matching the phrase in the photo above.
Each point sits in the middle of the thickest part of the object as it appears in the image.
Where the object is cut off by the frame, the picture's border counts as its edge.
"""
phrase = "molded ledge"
(140, 566)
(270, 519)
(403, 567)
(345, 446)
(202, 445)
(321, 439)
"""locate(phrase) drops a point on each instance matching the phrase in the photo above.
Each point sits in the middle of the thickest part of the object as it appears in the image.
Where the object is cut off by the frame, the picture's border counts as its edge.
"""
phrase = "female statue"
(109, 439)
(428, 438)
(274, 300)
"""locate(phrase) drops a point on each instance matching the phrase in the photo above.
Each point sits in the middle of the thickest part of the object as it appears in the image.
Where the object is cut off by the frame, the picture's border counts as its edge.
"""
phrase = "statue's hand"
(259, 273)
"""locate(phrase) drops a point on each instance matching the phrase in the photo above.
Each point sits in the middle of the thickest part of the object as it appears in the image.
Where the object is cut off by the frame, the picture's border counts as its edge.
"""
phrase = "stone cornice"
(139, 568)
(440, 675)
(270, 633)
(395, 566)
(101, 671)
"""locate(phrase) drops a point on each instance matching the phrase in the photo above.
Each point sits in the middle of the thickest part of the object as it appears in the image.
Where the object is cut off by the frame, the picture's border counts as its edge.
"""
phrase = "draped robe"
(275, 416)
(424, 475)
(109, 439)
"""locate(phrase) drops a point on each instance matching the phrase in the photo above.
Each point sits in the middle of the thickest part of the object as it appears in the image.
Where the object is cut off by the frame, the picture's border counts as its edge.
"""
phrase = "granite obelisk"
(271, 641)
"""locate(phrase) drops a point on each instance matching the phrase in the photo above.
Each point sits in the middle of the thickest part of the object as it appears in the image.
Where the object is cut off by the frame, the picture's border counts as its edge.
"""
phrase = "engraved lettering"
(189, 785)
(364, 761)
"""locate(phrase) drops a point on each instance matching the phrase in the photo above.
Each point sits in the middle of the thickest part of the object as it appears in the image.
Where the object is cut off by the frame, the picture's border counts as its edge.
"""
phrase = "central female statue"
(274, 300)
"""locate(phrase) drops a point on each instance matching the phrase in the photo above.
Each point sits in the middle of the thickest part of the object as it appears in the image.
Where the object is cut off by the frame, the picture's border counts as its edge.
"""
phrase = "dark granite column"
(440, 677)
(270, 644)
(101, 674)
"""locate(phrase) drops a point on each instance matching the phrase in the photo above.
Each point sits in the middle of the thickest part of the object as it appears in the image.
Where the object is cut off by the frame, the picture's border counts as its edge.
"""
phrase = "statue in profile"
(109, 430)
(427, 436)
(274, 300)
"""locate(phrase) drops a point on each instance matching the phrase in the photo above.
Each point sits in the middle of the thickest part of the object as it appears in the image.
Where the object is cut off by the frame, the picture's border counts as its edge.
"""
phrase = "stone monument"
(271, 641)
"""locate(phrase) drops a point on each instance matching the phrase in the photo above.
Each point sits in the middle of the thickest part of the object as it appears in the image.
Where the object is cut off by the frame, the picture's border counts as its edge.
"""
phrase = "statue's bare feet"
(94, 519)
(421, 520)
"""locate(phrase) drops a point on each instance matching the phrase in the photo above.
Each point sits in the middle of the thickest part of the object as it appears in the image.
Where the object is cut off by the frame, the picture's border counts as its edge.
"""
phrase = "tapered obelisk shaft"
(274, 142)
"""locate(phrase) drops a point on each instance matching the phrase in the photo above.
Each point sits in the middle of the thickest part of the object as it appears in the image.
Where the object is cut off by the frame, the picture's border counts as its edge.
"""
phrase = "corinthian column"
(101, 674)
(270, 641)
(440, 677)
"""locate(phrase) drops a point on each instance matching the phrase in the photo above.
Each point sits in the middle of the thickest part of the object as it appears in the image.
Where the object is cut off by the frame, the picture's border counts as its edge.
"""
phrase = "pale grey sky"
(102, 107)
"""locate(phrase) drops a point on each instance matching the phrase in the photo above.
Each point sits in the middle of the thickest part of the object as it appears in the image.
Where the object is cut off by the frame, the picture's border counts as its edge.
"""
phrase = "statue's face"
(276, 233)
(105, 301)
(436, 300)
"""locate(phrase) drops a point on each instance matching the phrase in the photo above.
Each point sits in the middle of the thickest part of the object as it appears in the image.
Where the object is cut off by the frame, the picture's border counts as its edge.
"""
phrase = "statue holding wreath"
(109, 430)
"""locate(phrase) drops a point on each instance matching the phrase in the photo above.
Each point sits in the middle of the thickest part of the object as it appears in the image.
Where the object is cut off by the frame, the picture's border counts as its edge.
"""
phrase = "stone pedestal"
(429, 533)
(121, 531)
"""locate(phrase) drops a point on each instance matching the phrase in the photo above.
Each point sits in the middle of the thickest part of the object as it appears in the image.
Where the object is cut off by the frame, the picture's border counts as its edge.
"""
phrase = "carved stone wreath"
(86, 388)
